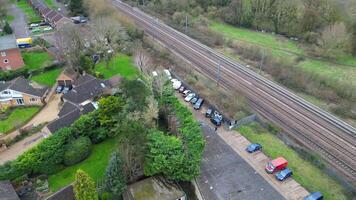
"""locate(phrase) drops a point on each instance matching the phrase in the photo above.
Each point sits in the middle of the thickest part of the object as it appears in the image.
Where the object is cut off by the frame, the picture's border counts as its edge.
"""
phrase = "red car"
(275, 165)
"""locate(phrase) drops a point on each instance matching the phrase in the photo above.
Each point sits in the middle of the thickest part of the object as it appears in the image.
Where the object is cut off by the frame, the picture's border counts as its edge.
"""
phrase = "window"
(33, 99)
(6, 61)
(6, 92)
(3, 53)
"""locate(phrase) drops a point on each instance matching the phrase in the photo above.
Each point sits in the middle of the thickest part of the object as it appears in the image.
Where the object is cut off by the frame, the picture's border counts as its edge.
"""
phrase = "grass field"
(35, 60)
(51, 4)
(309, 176)
(10, 18)
(31, 15)
(18, 116)
(119, 65)
(94, 165)
(47, 78)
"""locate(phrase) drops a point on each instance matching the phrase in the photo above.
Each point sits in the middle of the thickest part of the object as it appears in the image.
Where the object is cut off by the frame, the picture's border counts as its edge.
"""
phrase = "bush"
(77, 151)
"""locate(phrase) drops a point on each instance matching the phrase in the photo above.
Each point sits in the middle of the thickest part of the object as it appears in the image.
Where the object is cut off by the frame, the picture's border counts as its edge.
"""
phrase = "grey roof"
(7, 191)
(63, 194)
(88, 108)
(64, 121)
(67, 108)
(7, 42)
(85, 88)
(23, 85)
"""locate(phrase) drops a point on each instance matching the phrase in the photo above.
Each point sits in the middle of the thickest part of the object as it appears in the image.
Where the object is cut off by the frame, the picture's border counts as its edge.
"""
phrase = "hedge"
(77, 151)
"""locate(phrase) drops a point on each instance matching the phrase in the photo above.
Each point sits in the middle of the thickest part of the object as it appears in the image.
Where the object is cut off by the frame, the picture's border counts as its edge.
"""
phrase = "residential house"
(21, 91)
(7, 191)
(80, 100)
(154, 188)
(10, 55)
(66, 79)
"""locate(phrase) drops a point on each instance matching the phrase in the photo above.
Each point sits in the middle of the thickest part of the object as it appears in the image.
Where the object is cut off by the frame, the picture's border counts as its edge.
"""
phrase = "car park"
(253, 147)
(186, 92)
(209, 112)
(59, 89)
(189, 97)
(181, 89)
(284, 174)
(198, 104)
(314, 196)
(194, 100)
(276, 165)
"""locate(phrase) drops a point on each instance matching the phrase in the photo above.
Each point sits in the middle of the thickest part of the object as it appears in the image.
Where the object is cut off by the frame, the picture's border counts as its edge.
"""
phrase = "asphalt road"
(19, 24)
(226, 176)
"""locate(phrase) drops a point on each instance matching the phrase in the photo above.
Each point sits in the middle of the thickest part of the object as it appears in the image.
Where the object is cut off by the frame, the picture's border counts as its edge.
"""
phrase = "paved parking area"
(226, 176)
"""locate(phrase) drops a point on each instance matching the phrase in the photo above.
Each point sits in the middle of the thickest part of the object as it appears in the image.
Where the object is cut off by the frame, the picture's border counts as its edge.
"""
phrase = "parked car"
(209, 112)
(59, 89)
(253, 147)
(314, 196)
(284, 174)
(194, 100)
(216, 118)
(198, 104)
(181, 89)
(168, 74)
(33, 25)
(66, 90)
(276, 165)
(189, 97)
(48, 28)
(36, 30)
(186, 92)
(176, 84)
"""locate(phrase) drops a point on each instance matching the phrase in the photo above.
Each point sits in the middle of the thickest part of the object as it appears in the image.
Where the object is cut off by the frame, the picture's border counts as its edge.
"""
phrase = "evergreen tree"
(84, 187)
(114, 177)
(7, 28)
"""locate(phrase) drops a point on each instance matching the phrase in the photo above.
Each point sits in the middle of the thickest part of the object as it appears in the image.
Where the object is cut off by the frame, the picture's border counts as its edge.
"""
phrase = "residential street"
(19, 24)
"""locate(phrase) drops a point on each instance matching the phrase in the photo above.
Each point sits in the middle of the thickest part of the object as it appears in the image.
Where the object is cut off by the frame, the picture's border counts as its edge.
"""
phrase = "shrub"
(77, 151)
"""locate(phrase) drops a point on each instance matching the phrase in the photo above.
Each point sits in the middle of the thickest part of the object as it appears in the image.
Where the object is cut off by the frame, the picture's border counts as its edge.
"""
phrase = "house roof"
(154, 188)
(67, 108)
(23, 85)
(7, 42)
(7, 191)
(84, 88)
(63, 194)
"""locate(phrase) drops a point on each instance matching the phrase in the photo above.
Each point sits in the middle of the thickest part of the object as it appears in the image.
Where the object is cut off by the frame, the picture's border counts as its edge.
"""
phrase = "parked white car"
(34, 25)
(189, 97)
(48, 28)
(168, 74)
(176, 84)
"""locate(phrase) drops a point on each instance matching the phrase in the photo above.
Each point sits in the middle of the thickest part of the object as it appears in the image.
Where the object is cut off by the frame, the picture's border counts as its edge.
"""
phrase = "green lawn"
(31, 15)
(35, 60)
(119, 65)
(47, 78)
(94, 165)
(18, 116)
(51, 4)
(309, 176)
(258, 38)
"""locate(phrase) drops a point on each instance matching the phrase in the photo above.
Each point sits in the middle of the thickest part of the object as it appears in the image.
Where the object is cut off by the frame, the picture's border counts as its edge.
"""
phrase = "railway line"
(318, 130)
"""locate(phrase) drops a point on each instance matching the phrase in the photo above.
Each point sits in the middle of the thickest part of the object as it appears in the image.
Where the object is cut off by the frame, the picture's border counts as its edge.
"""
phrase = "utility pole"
(218, 74)
(262, 58)
(186, 23)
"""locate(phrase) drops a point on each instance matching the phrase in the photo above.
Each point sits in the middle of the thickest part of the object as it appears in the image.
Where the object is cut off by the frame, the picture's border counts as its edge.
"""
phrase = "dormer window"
(6, 92)
(3, 53)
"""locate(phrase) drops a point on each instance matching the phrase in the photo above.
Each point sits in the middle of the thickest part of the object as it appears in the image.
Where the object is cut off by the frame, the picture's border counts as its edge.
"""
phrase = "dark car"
(181, 89)
(216, 118)
(253, 147)
(194, 100)
(59, 89)
(209, 112)
(314, 196)
(284, 174)
(198, 104)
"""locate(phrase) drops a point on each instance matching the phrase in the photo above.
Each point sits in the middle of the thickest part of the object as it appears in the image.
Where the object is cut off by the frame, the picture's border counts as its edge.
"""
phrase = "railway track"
(318, 130)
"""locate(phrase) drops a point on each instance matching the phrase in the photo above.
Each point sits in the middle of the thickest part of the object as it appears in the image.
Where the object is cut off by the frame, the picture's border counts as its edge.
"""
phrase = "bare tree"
(143, 61)
(335, 40)
(71, 44)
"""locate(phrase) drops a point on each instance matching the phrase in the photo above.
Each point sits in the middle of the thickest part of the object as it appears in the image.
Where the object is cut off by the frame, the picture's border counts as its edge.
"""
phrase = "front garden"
(36, 59)
(120, 64)
(16, 117)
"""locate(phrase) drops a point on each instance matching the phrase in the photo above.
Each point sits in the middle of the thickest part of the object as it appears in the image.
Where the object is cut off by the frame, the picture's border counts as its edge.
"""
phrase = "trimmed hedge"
(188, 149)
(77, 151)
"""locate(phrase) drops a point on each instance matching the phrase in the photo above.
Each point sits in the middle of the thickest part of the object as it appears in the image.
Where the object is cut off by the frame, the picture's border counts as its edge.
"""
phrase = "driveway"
(19, 24)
